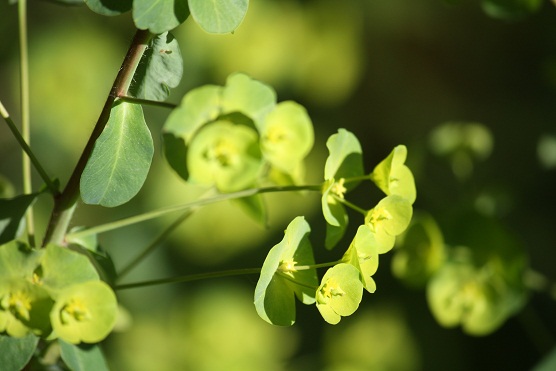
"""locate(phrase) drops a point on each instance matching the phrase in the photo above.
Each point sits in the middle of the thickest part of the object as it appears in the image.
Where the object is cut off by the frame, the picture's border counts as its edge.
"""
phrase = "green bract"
(226, 155)
(389, 218)
(344, 161)
(393, 177)
(286, 137)
(280, 279)
(159, 16)
(218, 16)
(420, 251)
(84, 312)
(363, 255)
(339, 293)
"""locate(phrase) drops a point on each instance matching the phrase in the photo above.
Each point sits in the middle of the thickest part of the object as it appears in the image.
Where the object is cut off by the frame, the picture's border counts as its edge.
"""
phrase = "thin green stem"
(350, 205)
(25, 120)
(154, 244)
(198, 203)
(34, 160)
(148, 102)
(357, 178)
(64, 204)
(190, 278)
(316, 266)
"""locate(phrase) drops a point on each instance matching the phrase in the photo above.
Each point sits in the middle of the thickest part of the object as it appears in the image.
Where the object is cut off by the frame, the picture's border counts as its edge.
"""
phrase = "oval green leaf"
(159, 16)
(15, 353)
(218, 16)
(83, 357)
(109, 7)
(120, 160)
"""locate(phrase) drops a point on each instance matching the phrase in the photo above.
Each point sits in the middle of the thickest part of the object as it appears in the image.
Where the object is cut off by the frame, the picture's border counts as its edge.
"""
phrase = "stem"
(25, 121)
(201, 202)
(148, 102)
(154, 244)
(190, 278)
(64, 204)
(350, 205)
(36, 163)
(358, 178)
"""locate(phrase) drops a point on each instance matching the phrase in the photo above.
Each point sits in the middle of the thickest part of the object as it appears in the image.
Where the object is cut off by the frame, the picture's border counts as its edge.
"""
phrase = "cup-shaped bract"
(24, 308)
(286, 137)
(18, 260)
(339, 293)
(389, 218)
(281, 280)
(363, 255)
(84, 312)
(420, 251)
(225, 155)
(393, 177)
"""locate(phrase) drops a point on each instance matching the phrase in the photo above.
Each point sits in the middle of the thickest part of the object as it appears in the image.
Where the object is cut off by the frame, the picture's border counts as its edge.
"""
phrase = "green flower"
(340, 292)
(389, 218)
(393, 177)
(363, 255)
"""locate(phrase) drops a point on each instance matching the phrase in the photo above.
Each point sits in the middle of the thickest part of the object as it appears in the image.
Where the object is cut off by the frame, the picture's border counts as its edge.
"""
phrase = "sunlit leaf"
(12, 216)
(340, 292)
(393, 177)
(160, 69)
(226, 155)
(82, 357)
(120, 160)
(109, 7)
(84, 312)
(280, 280)
(248, 96)
(286, 136)
(218, 16)
(15, 353)
(159, 16)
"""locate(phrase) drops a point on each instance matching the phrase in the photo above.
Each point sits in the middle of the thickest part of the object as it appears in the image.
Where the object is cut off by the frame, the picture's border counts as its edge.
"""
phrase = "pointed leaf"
(159, 16)
(15, 353)
(109, 7)
(12, 214)
(83, 357)
(255, 207)
(160, 69)
(120, 160)
(218, 16)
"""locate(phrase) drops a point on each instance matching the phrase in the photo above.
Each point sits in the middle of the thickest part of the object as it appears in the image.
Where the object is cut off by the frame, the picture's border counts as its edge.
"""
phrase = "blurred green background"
(391, 71)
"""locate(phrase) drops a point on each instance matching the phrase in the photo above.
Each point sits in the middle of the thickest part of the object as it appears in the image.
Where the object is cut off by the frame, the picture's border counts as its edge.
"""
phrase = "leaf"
(286, 136)
(120, 160)
(248, 96)
(159, 16)
(218, 16)
(280, 280)
(83, 357)
(18, 260)
(109, 7)
(15, 353)
(255, 207)
(345, 157)
(160, 69)
(84, 312)
(12, 214)
(363, 255)
(389, 218)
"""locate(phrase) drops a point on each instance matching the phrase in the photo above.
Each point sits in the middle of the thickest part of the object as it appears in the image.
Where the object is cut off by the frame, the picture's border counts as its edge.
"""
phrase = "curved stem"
(350, 205)
(34, 160)
(190, 278)
(25, 120)
(201, 202)
(64, 204)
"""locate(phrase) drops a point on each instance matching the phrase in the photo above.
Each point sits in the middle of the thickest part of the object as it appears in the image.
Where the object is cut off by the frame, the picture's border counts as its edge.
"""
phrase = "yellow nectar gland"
(338, 188)
(288, 267)
(222, 152)
(330, 289)
(18, 303)
(75, 310)
(377, 216)
(275, 134)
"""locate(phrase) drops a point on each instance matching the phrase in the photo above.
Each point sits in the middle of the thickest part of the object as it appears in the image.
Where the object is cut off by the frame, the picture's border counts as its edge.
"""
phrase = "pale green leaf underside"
(159, 16)
(345, 158)
(16, 352)
(83, 357)
(161, 68)
(218, 16)
(120, 160)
